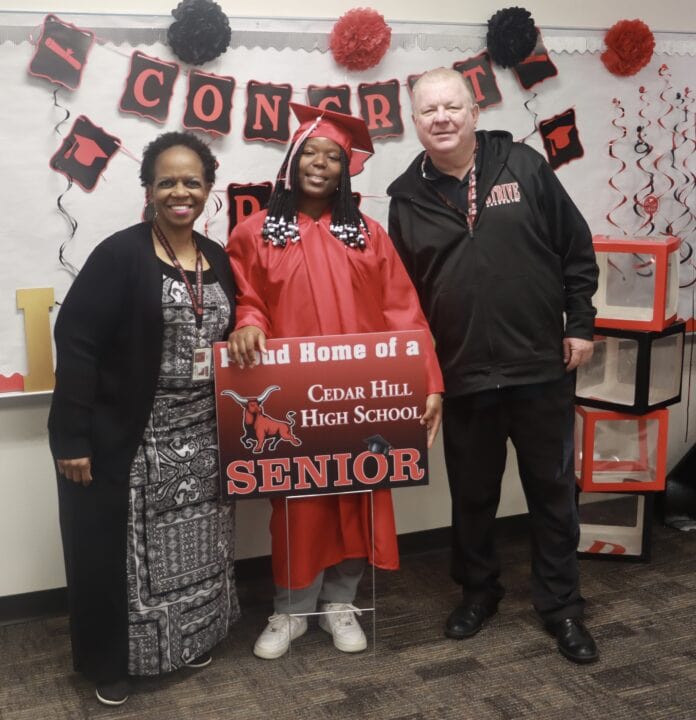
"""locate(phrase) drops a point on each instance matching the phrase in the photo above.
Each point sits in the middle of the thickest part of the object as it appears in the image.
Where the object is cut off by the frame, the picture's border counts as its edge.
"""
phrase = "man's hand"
(242, 345)
(79, 470)
(576, 352)
(432, 417)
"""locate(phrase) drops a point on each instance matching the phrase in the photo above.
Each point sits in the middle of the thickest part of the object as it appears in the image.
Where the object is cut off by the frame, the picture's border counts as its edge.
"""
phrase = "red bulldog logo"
(259, 427)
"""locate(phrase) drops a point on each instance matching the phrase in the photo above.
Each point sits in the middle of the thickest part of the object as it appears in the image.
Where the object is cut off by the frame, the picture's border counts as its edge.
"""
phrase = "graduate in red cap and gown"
(313, 264)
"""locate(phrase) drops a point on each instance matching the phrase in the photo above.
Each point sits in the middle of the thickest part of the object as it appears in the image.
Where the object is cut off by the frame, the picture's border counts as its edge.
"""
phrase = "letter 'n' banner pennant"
(209, 103)
(561, 138)
(330, 97)
(268, 112)
(149, 87)
(380, 109)
(479, 72)
(536, 67)
(245, 199)
(61, 53)
(85, 153)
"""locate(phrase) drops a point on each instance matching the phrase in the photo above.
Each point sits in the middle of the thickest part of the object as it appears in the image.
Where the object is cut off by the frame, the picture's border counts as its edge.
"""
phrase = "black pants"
(538, 419)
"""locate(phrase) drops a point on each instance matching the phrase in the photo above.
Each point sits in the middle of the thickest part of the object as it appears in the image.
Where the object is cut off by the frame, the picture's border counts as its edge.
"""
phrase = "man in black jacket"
(505, 271)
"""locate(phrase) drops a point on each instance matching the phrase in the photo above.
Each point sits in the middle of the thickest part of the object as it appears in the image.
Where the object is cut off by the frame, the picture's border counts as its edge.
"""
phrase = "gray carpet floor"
(643, 616)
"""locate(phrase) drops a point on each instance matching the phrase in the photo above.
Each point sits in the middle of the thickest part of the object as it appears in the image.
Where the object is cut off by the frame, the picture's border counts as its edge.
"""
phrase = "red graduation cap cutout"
(85, 153)
(479, 72)
(561, 138)
(61, 52)
(536, 67)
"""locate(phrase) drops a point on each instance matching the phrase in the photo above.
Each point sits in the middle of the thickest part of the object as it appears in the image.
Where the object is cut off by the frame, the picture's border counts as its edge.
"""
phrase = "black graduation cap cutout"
(84, 153)
(267, 112)
(149, 87)
(245, 199)
(61, 53)
(377, 444)
(536, 67)
(330, 97)
(380, 109)
(478, 70)
(209, 103)
(561, 138)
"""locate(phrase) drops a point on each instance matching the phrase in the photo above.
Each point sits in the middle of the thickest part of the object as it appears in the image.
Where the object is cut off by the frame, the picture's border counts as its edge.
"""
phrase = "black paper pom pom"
(511, 36)
(200, 33)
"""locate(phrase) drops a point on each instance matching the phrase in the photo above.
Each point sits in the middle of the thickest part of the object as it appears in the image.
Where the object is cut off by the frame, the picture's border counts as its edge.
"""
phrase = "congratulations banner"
(322, 415)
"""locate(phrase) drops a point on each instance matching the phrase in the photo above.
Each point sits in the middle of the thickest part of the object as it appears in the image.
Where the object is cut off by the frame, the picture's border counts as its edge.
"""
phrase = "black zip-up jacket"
(496, 301)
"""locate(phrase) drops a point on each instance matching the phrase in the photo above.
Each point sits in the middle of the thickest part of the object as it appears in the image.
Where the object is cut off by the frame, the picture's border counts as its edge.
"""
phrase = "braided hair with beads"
(281, 225)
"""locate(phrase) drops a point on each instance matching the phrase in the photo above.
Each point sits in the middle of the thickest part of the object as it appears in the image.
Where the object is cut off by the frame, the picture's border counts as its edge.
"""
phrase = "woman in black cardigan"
(148, 546)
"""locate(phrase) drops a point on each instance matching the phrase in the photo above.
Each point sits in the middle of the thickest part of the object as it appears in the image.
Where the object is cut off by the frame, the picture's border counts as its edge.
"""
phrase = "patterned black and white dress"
(181, 587)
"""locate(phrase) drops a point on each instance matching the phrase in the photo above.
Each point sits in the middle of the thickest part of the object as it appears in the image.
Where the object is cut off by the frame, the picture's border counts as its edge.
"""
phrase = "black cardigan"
(109, 342)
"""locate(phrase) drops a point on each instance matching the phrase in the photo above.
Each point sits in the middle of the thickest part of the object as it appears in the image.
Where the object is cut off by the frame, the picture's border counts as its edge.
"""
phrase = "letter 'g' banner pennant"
(561, 138)
(85, 153)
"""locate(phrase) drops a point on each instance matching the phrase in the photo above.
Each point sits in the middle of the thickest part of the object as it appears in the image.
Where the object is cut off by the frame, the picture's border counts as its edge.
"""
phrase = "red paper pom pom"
(630, 45)
(359, 39)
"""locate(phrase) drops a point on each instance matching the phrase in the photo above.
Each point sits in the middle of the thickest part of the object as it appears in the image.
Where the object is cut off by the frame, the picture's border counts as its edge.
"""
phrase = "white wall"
(31, 559)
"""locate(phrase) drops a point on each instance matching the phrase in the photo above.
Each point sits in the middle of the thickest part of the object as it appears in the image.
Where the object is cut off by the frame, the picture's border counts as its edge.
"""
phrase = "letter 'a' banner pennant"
(536, 67)
(61, 53)
(380, 109)
(479, 72)
(149, 87)
(245, 199)
(85, 153)
(209, 103)
(330, 97)
(561, 138)
(268, 112)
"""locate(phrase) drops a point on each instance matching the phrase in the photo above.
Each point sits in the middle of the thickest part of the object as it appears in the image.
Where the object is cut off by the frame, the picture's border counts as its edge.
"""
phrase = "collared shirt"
(454, 189)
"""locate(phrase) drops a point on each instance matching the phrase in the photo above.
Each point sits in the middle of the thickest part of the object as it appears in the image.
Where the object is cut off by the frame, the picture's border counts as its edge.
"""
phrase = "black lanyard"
(197, 296)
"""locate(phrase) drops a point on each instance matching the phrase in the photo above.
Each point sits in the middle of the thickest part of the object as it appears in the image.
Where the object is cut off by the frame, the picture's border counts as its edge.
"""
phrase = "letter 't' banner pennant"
(380, 109)
(245, 199)
(561, 138)
(61, 53)
(85, 153)
(209, 103)
(330, 97)
(536, 67)
(481, 76)
(149, 87)
(268, 112)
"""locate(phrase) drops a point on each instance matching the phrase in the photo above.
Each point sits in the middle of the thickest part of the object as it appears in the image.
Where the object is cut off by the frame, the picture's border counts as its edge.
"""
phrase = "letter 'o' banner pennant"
(61, 53)
(209, 103)
(561, 138)
(84, 153)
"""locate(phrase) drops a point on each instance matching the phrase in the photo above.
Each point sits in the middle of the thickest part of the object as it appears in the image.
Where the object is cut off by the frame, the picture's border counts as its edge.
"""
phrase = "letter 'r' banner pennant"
(380, 109)
(85, 153)
(61, 53)
(561, 139)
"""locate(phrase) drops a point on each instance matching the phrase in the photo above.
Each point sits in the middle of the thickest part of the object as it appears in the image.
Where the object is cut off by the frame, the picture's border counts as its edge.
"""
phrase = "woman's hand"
(432, 417)
(79, 470)
(242, 345)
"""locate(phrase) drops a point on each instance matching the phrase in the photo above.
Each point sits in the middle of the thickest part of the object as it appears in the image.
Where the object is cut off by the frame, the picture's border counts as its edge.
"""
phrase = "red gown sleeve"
(242, 247)
(400, 305)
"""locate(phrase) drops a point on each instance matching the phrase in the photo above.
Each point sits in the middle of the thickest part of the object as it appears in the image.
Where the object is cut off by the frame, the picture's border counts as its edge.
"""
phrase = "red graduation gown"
(319, 286)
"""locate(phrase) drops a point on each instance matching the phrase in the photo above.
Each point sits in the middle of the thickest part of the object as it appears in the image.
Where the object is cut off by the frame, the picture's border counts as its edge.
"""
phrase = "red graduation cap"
(348, 131)
(559, 138)
(85, 150)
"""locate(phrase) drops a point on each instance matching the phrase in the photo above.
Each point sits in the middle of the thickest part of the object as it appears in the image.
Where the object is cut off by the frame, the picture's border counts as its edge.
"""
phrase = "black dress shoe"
(574, 640)
(115, 693)
(467, 619)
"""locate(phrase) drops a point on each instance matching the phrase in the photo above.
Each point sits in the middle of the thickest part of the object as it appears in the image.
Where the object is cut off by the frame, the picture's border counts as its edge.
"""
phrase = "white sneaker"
(274, 641)
(342, 624)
